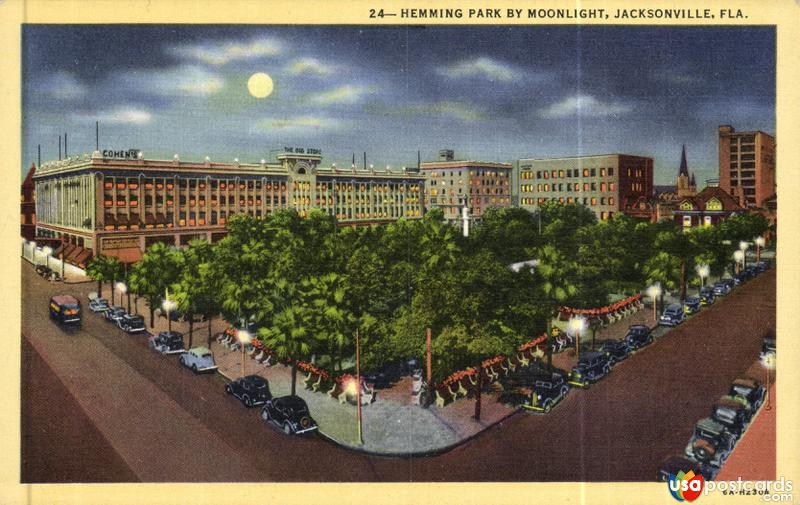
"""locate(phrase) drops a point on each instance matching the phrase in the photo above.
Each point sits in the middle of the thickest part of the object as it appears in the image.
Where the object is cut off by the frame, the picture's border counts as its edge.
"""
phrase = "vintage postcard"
(528, 250)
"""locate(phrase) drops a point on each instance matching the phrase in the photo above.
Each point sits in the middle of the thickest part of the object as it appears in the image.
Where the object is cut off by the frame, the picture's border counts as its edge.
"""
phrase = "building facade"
(117, 206)
(747, 165)
(478, 185)
(607, 184)
(705, 208)
(28, 206)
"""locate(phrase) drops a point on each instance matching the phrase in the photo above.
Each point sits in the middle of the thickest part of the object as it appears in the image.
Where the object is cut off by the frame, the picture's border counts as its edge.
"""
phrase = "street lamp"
(738, 257)
(703, 271)
(123, 288)
(244, 339)
(32, 243)
(577, 325)
(759, 244)
(768, 362)
(47, 251)
(168, 306)
(743, 247)
(654, 292)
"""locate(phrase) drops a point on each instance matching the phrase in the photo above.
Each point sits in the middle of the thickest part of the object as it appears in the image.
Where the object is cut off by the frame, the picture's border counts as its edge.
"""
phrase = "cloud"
(458, 110)
(677, 76)
(296, 124)
(65, 86)
(343, 94)
(585, 106)
(187, 80)
(223, 52)
(481, 67)
(118, 115)
(310, 66)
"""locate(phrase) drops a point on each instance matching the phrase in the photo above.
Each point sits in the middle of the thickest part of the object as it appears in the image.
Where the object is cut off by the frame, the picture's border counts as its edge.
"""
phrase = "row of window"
(472, 173)
(561, 174)
(568, 200)
(587, 186)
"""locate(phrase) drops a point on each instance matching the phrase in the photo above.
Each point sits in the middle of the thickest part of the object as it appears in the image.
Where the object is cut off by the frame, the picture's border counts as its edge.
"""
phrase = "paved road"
(148, 420)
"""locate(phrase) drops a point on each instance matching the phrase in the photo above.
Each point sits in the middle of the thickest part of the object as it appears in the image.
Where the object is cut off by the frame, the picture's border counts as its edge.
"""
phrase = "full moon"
(260, 85)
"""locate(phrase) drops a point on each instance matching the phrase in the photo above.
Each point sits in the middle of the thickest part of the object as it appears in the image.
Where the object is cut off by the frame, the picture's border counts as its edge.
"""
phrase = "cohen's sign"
(127, 154)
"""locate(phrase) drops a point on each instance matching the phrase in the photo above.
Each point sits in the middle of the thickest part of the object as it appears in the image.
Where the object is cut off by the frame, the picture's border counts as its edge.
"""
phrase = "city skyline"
(489, 93)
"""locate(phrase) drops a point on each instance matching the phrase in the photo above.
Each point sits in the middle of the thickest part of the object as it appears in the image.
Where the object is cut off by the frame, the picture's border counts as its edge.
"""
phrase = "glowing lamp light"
(703, 270)
(47, 251)
(244, 337)
(768, 361)
(577, 325)
(121, 287)
(654, 291)
(738, 255)
(168, 305)
(743, 246)
(351, 387)
(760, 241)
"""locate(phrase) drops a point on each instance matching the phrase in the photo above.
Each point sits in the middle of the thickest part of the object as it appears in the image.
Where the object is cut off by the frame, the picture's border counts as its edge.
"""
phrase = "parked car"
(132, 323)
(672, 316)
(728, 282)
(750, 390)
(674, 465)
(721, 289)
(707, 295)
(252, 390)
(290, 413)
(591, 367)
(385, 376)
(199, 359)
(762, 266)
(65, 309)
(691, 305)
(98, 305)
(616, 350)
(638, 336)
(114, 313)
(750, 271)
(768, 348)
(168, 342)
(732, 413)
(546, 392)
(710, 444)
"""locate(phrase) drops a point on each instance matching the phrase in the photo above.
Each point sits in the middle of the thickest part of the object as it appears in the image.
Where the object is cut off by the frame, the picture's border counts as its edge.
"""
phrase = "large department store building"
(116, 203)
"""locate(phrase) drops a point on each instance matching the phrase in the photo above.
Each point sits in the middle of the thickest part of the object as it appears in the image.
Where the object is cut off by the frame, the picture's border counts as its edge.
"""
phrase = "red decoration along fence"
(624, 304)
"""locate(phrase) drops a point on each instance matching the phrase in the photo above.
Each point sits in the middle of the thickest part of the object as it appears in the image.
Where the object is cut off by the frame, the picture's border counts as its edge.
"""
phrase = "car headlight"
(538, 397)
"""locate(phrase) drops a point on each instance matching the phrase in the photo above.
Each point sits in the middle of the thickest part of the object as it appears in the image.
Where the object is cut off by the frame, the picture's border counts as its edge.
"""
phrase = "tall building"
(453, 184)
(747, 165)
(28, 206)
(606, 183)
(118, 203)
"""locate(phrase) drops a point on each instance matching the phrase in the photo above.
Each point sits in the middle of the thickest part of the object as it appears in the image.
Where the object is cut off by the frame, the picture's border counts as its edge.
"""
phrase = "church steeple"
(692, 183)
(684, 170)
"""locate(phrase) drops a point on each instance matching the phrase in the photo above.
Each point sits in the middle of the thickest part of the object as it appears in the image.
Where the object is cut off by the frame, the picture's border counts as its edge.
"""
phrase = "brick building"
(747, 165)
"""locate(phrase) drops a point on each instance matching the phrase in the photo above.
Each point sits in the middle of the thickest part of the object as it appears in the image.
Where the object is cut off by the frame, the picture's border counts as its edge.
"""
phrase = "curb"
(417, 454)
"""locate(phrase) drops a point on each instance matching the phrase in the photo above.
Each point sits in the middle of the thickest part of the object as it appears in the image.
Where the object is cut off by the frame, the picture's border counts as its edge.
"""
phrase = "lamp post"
(47, 251)
(743, 247)
(759, 244)
(358, 388)
(768, 362)
(703, 271)
(654, 292)
(123, 288)
(577, 325)
(738, 257)
(244, 339)
(168, 306)
(33, 252)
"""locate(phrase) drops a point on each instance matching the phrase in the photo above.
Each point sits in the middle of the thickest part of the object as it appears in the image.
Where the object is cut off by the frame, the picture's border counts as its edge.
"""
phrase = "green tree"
(192, 293)
(558, 286)
(104, 269)
(158, 269)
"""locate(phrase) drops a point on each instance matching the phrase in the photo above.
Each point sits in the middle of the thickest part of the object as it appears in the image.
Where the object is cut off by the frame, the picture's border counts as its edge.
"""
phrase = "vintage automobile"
(385, 376)
(546, 392)
(251, 390)
(728, 281)
(168, 342)
(198, 359)
(131, 323)
(750, 390)
(591, 367)
(721, 289)
(691, 305)
(114, 313)
(673, 315)
(706, 295)
(761, 266)
(710, 444)
(98, 305)
(768, 349)
(638, 336)
(616, 350)
(732, 413)
(676, 464)
(65, 309)
(290, 413)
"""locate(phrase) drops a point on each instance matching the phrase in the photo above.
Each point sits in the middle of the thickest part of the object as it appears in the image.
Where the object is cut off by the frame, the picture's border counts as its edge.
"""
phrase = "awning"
(83, 258)
(125, 255)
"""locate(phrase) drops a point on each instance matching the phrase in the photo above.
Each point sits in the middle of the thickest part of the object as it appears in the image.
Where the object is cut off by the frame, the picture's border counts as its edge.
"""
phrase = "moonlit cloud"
(65, 86)
(458, 110)
(584, 106)
(117, 115)
(343, 94)
(188, 80)
(310, 66)
(481, 67)
(223, 52)
(296, 124)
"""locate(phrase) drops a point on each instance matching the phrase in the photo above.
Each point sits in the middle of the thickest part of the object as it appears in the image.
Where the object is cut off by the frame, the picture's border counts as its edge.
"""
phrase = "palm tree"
(557, 284)
(332, 320)
(158, 269)
(104, 269)
(190, 293)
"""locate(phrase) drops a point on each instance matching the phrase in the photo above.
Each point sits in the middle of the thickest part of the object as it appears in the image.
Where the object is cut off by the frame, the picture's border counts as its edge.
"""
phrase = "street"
(99, 406)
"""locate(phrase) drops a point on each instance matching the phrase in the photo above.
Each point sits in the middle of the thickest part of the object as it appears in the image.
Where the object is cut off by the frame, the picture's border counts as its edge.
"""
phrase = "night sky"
(489, 93)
